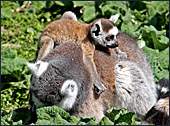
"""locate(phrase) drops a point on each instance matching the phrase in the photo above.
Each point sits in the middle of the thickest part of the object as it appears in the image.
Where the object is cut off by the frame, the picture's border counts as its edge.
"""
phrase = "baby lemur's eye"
(110, 38)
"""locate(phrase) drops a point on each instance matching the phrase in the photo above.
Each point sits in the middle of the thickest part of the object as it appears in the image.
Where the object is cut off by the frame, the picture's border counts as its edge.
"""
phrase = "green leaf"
(39, 4)
(6, 13)
(162, 7)
(126, 118)
(105, 121)
(49, 4)
(79, 3)
(159, 62)
(118, 4)
(81, 123)
(157, 43)
(47, 15)
(151, 34)
(91, 122)
(60, 3)
(73, 120)
(19, 84)
(116, 113)
(9, 53)
(89, 13)
(10, 62)
(108, 8)
(44, 122)
(51, 111)
(58, 120)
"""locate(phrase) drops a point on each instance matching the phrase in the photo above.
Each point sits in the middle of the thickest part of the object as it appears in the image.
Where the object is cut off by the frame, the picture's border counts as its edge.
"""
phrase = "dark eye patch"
(108, 38)
(97, 31)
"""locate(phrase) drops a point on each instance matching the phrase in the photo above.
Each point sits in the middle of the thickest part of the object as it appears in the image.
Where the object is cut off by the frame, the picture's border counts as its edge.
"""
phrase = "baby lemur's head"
(104, 31)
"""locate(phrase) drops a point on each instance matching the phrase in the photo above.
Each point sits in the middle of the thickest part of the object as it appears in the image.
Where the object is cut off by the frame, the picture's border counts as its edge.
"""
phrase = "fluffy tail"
(159, 113)
(163, 88)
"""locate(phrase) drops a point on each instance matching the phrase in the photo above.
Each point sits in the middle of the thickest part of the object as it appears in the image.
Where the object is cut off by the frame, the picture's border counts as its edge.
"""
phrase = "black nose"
(113, 45)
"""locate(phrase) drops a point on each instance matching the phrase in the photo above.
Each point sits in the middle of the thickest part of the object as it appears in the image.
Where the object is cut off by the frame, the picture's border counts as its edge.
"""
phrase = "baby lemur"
(100, 32)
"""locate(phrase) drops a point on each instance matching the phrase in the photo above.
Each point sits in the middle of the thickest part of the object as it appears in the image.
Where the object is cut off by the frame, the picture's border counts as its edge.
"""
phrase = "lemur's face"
(58, 82)
(109, 38)
(104, 32)
(49, 86)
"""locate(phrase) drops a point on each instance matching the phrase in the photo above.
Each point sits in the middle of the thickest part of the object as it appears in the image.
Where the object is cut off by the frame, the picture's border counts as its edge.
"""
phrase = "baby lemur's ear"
(69, 15)
(38, 68)
(114, 18)
(96, 28)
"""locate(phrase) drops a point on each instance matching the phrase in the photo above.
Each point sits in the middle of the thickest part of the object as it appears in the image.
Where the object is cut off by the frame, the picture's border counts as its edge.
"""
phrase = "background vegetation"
(22, 23)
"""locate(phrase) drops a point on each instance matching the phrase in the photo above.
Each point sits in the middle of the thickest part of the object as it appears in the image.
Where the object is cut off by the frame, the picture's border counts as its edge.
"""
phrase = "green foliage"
(15, 80)
(146, 21)
(54, 115)
(122, 117)
(159, 61)
(10, 62)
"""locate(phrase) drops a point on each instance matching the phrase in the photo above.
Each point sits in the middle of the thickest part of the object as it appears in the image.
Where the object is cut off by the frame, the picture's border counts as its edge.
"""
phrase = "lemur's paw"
(99, 88)
(120, 54)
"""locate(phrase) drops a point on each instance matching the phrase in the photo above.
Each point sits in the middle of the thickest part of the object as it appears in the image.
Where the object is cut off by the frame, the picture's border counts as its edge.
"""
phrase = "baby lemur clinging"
(100, 32)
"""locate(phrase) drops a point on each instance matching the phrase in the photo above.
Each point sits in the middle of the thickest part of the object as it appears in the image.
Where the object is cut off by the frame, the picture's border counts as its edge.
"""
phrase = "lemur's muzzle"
(113, 45)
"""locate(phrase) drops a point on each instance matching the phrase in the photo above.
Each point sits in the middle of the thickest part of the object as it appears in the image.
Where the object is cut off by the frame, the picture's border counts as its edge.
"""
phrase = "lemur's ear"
(97, 28)
(69, 15)
(38, 68)
(114, 18)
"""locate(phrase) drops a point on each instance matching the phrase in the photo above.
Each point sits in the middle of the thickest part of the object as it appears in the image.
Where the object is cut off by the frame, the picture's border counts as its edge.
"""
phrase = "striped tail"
(159, 113)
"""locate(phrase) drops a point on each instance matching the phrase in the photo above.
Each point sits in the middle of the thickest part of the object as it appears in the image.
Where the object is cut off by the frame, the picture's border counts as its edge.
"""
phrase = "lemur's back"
(66, 30)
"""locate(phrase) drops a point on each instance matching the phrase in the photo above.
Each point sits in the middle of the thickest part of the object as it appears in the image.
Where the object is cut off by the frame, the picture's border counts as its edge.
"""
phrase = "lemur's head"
(104, 31)
(62, 80)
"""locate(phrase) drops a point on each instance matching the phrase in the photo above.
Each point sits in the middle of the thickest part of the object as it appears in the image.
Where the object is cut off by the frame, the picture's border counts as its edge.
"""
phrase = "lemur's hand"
(120, 54)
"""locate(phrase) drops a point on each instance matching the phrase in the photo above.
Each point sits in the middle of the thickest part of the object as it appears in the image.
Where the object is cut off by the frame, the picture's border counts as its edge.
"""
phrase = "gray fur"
(133, 90)
(134, 84)
(69, 15)
(46, 89)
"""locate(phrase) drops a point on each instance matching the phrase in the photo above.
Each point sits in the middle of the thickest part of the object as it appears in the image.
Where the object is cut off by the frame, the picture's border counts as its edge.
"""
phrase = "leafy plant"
(15, 80)
(22, 22)
(54, 115)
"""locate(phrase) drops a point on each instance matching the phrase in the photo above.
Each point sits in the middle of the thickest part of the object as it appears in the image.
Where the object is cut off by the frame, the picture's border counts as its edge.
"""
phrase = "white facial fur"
(69, 92)
(38, 68)
(113, 31)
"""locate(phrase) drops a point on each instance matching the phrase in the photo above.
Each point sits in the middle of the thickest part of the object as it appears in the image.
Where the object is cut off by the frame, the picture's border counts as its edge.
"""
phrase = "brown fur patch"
(107, 25)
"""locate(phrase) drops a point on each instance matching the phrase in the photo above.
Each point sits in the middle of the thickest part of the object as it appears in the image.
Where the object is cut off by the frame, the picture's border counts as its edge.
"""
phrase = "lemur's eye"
(110, 38)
